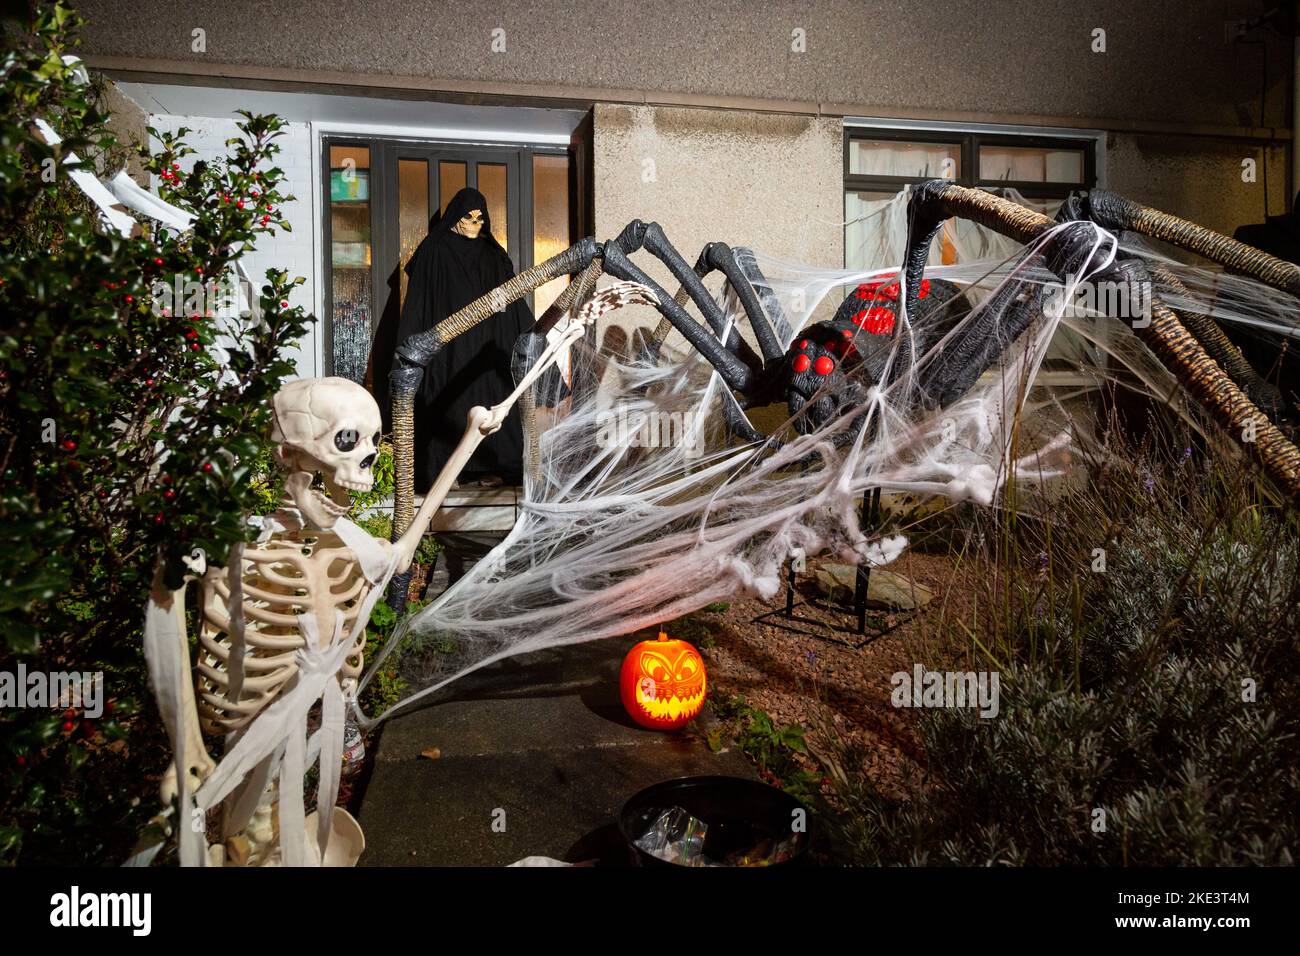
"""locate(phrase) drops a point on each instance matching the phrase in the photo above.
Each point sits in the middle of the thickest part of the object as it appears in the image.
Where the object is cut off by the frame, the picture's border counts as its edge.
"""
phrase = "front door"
(381, 196)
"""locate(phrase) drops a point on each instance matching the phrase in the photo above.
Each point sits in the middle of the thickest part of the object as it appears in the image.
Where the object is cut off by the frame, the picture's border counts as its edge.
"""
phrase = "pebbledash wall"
(737, 109)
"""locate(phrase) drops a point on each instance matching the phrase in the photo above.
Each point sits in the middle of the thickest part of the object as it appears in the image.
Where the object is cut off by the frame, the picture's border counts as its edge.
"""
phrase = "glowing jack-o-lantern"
(663, 683)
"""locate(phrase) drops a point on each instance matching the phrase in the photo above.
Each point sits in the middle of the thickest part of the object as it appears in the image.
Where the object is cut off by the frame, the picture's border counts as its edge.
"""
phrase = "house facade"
(780, 126)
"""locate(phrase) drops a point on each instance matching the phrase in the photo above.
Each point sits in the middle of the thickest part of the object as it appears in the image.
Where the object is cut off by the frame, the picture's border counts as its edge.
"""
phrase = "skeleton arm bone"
(481, 422)
(484, 421)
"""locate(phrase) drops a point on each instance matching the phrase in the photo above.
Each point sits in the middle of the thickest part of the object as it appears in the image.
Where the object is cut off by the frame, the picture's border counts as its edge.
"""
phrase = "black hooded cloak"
(447, 272)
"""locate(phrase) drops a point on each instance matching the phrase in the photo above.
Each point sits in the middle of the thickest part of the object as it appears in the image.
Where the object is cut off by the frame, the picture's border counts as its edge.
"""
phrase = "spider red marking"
(877, 320)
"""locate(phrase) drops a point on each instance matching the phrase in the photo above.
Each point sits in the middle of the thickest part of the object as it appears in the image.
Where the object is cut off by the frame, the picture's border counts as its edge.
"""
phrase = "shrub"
(127, 433)
(1126, 695)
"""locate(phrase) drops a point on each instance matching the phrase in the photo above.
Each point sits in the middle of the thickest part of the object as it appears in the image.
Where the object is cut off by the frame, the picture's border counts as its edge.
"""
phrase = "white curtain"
(875, 232)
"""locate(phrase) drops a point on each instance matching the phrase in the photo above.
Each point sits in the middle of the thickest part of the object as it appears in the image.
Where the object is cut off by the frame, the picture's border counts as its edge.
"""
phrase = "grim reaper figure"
(458, 262)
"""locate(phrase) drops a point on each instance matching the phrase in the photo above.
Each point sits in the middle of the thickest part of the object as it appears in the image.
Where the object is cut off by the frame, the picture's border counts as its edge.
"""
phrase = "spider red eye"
(823, 366)
(801, 363)
(803, 343)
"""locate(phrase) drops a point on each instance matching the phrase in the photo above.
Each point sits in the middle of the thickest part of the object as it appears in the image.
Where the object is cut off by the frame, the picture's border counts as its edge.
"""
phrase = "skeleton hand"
(198, 767)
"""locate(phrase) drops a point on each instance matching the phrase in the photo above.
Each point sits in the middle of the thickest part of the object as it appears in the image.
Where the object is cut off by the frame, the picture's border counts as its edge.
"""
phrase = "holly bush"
(131, 421)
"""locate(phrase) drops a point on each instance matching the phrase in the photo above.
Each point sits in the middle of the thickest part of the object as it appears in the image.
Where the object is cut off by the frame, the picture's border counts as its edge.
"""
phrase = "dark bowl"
(740, 813)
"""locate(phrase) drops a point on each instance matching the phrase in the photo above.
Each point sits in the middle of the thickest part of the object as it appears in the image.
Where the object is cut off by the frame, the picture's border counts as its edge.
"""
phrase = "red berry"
(239, 204)
(68, 725)
(801, 363)
(22, 761)
(194, 346)
(166, 479)
(159, 518)
(148, 381)
(207, 466)
(168, 495)
(823, 366)
(176, 165)
(130, 299)
(283, 304)
(68, 444)
(270, 208)
(157, 261)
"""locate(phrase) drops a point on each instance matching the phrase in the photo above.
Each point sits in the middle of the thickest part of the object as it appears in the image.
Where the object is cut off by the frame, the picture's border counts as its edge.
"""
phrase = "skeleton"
(300, 595)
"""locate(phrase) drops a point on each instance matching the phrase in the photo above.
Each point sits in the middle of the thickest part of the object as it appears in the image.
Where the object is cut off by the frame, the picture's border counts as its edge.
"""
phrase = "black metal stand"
(861, 585)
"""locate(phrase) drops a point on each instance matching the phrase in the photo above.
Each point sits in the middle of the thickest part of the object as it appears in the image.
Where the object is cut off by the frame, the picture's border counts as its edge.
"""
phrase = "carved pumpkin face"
(663, 683)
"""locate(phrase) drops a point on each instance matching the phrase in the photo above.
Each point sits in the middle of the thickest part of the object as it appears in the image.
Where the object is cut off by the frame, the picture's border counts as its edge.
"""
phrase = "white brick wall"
(294, 251)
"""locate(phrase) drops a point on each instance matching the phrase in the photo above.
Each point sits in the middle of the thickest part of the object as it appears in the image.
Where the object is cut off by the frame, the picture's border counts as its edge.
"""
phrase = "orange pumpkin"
(663, 683)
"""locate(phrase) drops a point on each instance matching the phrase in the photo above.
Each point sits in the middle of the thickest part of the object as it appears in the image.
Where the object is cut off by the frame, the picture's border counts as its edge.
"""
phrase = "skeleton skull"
(470, 224)
(331, 426)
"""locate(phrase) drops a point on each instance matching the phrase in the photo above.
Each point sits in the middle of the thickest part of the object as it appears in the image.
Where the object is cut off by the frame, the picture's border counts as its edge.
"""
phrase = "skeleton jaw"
(321, 510)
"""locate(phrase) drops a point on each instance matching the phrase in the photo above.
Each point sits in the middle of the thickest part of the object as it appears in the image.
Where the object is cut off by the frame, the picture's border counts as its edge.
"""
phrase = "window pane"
(492, 184)
(550, 220)
(1031, 165)
(871, 157)
(352, 294)
(451, 180)
(412, 211)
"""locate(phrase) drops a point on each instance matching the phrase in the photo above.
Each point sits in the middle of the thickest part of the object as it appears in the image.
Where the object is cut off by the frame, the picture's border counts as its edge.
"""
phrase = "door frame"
(384, 242)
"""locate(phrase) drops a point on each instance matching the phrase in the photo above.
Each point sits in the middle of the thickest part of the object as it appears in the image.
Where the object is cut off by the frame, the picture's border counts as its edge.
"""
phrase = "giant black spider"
(827, 367)
(819, 375)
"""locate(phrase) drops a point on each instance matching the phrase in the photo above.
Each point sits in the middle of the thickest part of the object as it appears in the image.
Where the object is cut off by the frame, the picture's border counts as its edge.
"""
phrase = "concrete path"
(535, 758)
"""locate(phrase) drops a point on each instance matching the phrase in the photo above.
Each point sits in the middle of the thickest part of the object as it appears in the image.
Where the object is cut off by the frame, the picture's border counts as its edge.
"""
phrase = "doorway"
(379, 198)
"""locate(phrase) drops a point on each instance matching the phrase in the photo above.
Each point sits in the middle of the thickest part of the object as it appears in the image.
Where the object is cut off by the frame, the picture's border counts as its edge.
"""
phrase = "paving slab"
(535, 756)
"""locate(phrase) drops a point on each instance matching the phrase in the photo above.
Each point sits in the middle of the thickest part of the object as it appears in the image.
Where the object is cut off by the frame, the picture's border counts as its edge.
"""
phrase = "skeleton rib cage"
(289, 575)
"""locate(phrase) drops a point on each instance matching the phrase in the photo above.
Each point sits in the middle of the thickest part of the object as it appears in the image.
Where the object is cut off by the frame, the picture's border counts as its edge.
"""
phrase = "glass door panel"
(451, 180)
(550, 220)
(351, 285)
(412, 211)
(492, 184)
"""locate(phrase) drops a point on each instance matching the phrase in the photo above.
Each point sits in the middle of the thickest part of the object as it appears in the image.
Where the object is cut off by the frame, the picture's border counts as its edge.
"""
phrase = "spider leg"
(748, 265)
(650, 236)
(1119, 215)
(734, 372)
(978, 343)
(771, 304)
(718, 255)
